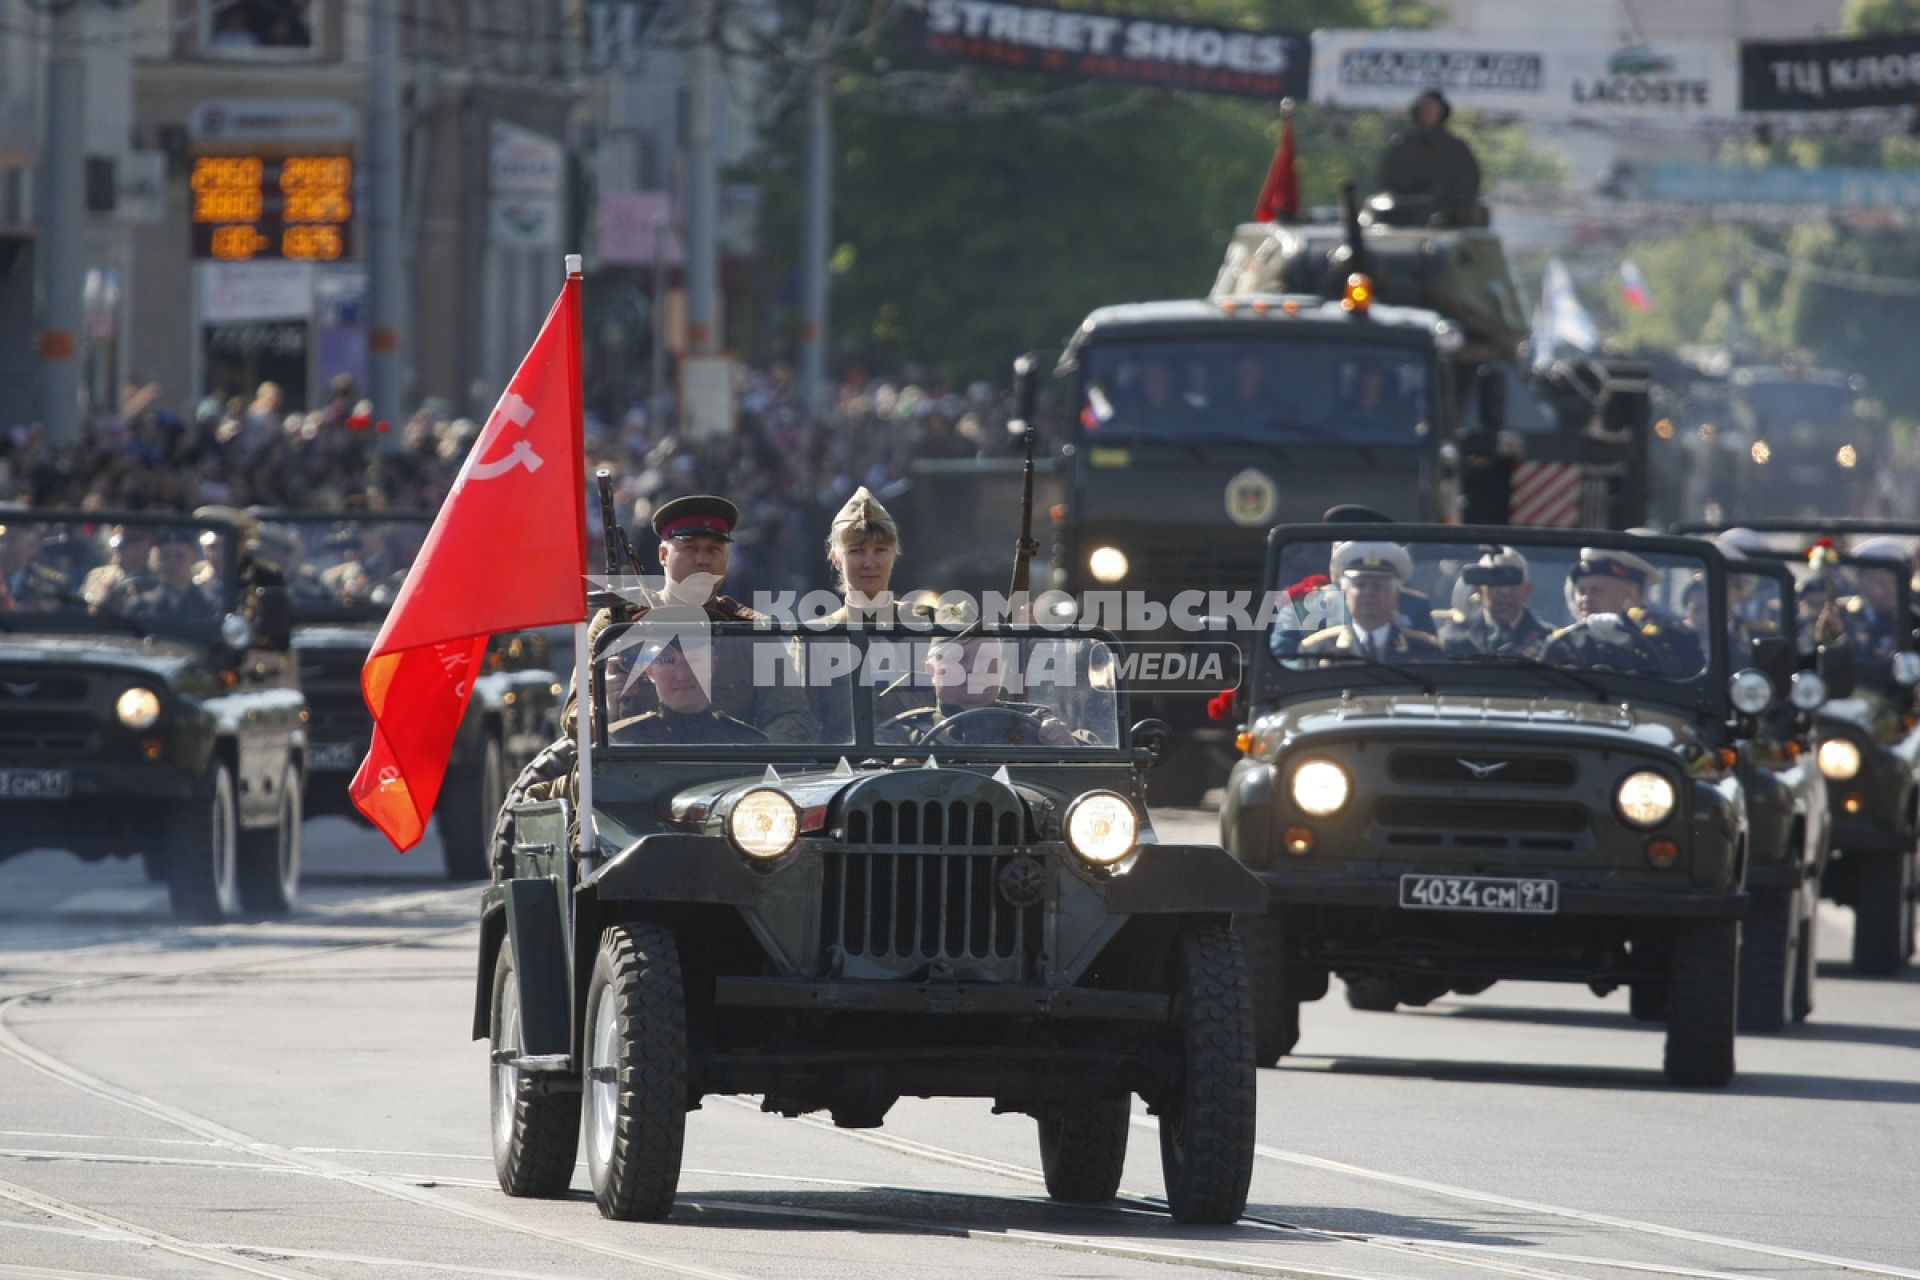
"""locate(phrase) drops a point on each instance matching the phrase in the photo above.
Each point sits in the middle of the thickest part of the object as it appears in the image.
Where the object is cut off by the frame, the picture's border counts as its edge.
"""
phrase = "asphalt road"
(301, 1099)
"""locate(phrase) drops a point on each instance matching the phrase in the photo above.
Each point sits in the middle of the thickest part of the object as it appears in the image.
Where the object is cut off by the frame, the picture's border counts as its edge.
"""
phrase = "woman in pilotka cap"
(862, 546)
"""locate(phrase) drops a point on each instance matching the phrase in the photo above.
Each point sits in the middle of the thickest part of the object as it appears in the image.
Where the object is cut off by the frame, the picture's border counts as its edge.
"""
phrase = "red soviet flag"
(508, 550)
(1280, 193)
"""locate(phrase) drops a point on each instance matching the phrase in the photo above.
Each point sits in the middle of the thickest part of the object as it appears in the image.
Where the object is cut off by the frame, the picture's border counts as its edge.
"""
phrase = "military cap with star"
(1606, 562)
(698, 515)
(1355, 558)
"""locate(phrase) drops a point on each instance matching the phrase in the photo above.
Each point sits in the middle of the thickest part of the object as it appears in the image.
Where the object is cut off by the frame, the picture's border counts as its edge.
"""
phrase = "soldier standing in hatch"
(1427, 161)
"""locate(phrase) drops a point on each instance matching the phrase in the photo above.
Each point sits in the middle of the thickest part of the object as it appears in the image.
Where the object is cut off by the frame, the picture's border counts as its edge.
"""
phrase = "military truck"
(949, 888)
(343, 571)
(149, 705)
(1545, 785)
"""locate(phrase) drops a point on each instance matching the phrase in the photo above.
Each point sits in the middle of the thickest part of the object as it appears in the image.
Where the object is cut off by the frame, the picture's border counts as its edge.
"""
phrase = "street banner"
(1130, 49)
(507, 551)
(1830, 75)
(1534, 76)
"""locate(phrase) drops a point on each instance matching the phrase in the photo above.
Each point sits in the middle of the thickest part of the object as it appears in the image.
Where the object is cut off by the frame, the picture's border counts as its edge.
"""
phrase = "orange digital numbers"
(298, 206)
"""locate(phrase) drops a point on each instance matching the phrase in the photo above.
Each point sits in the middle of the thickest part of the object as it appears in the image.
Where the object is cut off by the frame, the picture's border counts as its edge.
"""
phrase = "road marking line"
(134, 1233)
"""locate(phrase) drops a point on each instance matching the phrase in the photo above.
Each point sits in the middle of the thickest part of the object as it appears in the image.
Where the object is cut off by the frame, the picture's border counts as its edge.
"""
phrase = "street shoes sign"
(1098, 46)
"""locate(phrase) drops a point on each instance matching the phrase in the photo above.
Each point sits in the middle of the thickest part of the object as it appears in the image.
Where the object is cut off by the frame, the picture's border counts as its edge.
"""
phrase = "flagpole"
(582, 660)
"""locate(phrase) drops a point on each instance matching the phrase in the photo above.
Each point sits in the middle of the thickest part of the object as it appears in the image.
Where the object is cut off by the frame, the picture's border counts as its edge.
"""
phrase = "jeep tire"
(635, 1089)
(468, 808)
(1276, 1007)
(269, 867)
(1770, 959)
(1883, 914)
(1207, 1118)
(1702, 1002)
(536, 1134)
(202, 842)
(1083, 1148)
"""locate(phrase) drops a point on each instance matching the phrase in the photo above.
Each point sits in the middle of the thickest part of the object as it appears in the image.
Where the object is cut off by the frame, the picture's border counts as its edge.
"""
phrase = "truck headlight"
(1838, 758)
(1102, 828)
(137, 708)
(764, 824)
(1645, 798)
(1321, 787)
(1107, 564)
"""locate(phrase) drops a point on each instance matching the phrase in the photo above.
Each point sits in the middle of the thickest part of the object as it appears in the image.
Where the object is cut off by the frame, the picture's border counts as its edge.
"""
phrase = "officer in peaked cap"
(1354, 513)
(697, 515)
(1503, 623)
(1371, 575)
(130, 545)
(1415, 611)
(1618, 629)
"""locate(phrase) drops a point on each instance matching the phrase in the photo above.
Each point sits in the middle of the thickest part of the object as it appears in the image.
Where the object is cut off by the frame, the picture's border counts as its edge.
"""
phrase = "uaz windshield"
(143, 575)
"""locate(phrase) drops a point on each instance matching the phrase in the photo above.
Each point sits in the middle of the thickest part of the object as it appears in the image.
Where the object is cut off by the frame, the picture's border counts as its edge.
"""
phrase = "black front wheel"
(1276, 1006)
(1769, 960)
(1083, 1148)
(269, 869)
(1702, 1002)
(469, 805)
(1883, 914)
(202, 843)
(636, 1085)
(1207, 1119)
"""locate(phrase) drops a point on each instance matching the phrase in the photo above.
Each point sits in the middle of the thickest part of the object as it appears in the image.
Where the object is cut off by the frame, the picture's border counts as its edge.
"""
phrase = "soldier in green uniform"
(1428, 163)
(970, 706)
(1503, 623)
(1617, 630)
(1370, 575)
(26, 582)
(863, 546)
(685, 713)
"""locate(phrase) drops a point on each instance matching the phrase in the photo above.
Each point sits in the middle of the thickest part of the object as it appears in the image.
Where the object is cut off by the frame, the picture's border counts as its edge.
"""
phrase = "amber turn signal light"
(1662, 853)
(1298, 840)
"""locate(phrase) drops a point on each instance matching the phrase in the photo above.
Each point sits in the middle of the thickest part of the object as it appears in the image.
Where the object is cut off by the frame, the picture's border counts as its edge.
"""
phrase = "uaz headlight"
(1321, 787)
(1838, 758)
(1102, 827)
(1645, 798)
(1750, 691)
(1108, 564)
(137, 708)
(764, 824)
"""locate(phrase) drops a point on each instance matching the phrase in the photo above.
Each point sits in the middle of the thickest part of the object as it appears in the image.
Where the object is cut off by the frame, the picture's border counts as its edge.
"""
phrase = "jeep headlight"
(1645, 798)
(1321, 787)
(1102, 828)
(764, 824)
(137, 708)
(1750, 691)
(1107, 564)
(1838, 758)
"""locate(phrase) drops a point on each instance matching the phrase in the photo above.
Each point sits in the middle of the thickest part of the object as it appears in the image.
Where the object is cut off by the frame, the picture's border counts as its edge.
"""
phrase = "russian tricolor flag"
(1633, 287)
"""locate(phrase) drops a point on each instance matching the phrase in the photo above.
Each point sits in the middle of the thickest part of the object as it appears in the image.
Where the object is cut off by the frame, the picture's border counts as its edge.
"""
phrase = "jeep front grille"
(26, 687)
(1494, 768)
(921, 880)
(40, 731)
(925, 906)
(1535, 825)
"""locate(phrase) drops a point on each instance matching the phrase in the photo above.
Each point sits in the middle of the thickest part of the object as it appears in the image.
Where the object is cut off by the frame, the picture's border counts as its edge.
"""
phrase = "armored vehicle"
(950, 887)
(148, 705)
(343, 570)
(1868, 734)
(1477, 753)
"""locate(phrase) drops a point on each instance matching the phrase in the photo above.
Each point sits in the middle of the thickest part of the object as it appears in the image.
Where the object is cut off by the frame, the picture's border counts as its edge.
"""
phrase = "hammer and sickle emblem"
(519, 413)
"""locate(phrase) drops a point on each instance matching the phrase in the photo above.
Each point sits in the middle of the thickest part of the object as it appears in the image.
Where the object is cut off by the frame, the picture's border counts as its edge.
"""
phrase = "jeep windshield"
(1864, 605)
(143, 575)
(1599, 616)
(691, 688)
(343, 567)
(1296, 391)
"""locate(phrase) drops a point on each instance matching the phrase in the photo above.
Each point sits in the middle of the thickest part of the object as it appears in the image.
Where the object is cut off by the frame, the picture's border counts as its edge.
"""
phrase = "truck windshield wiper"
(1574, 678)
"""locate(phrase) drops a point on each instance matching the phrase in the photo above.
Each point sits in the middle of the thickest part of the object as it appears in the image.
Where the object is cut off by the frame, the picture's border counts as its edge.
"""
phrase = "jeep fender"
(526, 917)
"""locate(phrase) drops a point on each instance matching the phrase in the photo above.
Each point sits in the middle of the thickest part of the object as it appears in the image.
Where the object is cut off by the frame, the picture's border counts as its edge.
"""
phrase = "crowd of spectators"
(787, 469)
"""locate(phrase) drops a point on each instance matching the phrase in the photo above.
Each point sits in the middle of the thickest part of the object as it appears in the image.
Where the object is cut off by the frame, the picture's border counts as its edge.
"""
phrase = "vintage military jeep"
(1486, 753)
(1789, 827)
(950, 887)
(343, 571)
(1854, 592)
(148, 705)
